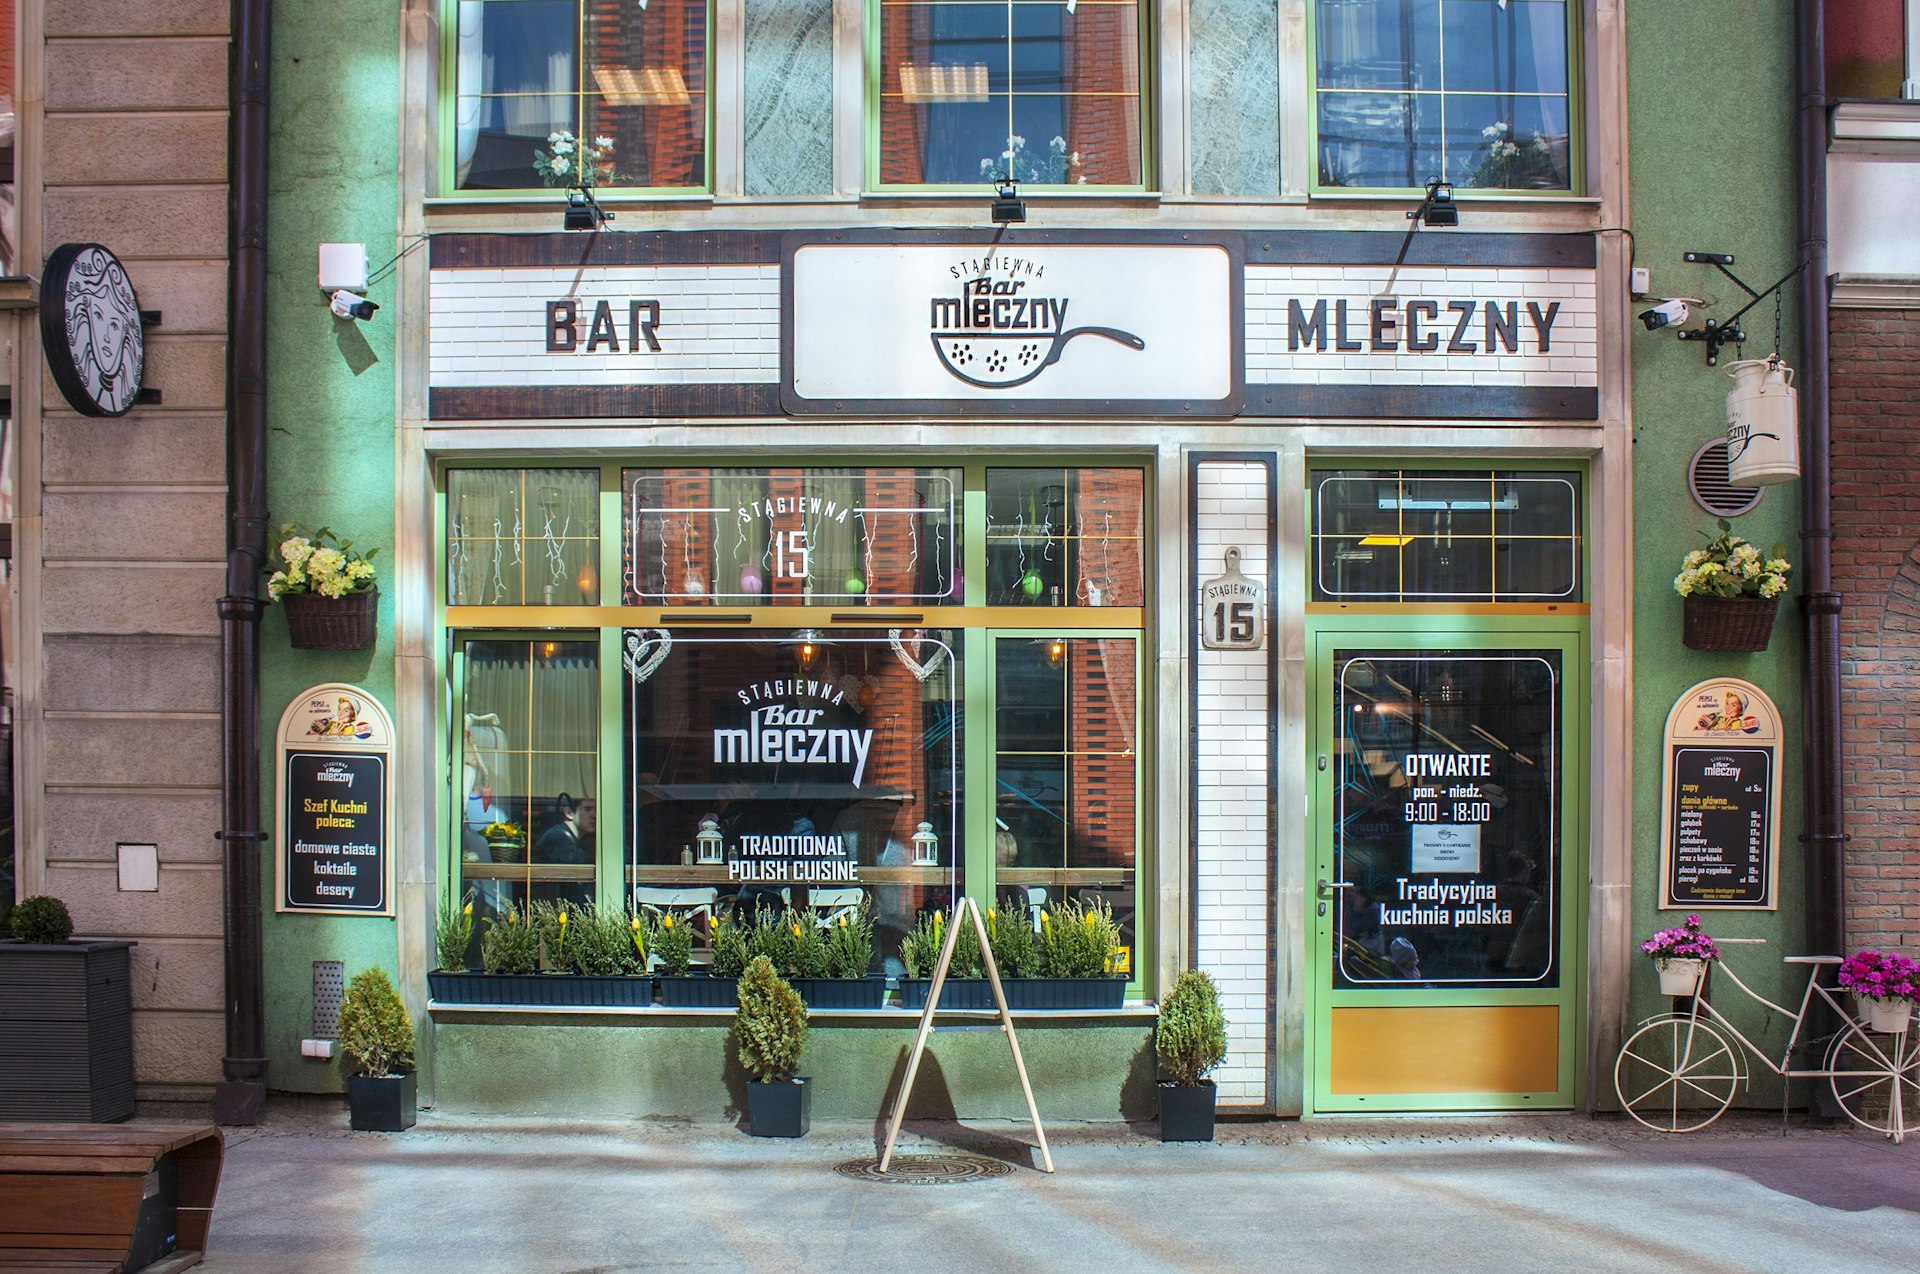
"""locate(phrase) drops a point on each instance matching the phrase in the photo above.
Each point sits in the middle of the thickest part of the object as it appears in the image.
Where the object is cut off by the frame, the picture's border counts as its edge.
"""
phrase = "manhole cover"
(925, 1170)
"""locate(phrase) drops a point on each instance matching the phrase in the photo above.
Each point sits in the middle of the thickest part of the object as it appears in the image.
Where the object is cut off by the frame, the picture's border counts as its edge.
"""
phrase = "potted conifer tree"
(376, 1034)
(1190, 1040)
(770, 1027)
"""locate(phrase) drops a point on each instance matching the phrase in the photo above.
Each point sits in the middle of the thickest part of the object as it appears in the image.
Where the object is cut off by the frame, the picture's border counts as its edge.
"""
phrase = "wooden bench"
(106, 1198)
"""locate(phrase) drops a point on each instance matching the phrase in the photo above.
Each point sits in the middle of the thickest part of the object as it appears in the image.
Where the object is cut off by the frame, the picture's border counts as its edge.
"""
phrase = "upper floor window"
(1474, 92)
(540, 85)
(1046, 92)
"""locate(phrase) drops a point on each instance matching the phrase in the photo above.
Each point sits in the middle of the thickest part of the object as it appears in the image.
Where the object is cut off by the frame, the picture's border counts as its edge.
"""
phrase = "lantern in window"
(926, 846)
(711, 844)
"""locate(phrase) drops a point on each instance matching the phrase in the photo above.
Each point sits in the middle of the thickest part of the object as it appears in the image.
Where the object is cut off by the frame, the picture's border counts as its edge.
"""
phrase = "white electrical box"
(322, 1049)
(343, 265)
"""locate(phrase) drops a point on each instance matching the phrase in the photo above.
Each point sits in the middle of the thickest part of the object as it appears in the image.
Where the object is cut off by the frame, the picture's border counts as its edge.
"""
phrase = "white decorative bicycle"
(1679, 1071)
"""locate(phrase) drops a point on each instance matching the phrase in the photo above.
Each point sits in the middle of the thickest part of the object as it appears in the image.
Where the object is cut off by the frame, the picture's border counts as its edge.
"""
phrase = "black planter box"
(382, 1105)
(1022, 993)
(698, 991)
(556, 990)
(780, 1109)
(66, 1032)
(843, 993)
(1186, 1111)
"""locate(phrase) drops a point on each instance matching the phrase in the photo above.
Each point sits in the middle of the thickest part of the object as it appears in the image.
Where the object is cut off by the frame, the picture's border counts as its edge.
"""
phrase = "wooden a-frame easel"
(967, 907)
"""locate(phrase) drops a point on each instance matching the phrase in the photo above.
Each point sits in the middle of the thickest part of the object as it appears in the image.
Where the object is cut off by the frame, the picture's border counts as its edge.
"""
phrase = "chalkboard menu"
(1721, 833)
(336, 831)
(334, 804)
(1720, 799)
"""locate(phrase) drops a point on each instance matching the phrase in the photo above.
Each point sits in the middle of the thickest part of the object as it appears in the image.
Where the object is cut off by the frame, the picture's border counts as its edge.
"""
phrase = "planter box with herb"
(1063, 962)
(554, 955)
(825, 959)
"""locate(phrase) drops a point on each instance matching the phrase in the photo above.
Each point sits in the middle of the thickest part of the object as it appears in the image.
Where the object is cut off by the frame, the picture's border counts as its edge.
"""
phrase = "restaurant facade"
(1230, 540)
(1219, 543)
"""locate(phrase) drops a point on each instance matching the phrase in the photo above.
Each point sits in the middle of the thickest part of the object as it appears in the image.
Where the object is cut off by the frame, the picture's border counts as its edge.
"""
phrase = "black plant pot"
(1022, 993)
(698, 991)
(66, 1031)
(779, 1109)
(955, 993)
(382, 1105)
(1186, 1111)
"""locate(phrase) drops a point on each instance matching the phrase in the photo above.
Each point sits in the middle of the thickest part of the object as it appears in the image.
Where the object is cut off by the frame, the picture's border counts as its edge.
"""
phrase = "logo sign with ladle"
(999, 328)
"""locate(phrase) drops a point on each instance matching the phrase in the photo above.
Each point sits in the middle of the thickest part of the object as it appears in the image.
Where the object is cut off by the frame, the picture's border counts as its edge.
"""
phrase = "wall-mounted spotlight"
(1438, 208)
(584, 211)
(1008, 207)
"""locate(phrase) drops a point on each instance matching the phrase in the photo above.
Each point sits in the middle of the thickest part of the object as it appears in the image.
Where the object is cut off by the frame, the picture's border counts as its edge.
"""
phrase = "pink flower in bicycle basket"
(1880, 975)
(1683, 942)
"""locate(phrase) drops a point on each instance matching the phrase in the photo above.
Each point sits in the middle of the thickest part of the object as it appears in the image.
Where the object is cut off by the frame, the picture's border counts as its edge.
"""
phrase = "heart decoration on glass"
(921, 671)
(646, 649)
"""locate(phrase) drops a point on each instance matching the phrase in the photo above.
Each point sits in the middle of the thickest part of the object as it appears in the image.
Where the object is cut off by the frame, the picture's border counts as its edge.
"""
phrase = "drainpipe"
(1825, 836)
(242, 1093)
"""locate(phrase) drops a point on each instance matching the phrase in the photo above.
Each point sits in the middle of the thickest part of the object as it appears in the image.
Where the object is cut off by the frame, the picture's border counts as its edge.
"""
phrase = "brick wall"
(1876, 515)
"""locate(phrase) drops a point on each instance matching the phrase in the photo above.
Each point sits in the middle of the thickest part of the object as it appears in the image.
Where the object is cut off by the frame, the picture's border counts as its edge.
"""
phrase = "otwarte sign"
(878, 323)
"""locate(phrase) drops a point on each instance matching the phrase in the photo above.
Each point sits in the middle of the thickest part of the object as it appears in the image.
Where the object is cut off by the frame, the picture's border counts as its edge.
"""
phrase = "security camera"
(1665, 314)
(347, 305)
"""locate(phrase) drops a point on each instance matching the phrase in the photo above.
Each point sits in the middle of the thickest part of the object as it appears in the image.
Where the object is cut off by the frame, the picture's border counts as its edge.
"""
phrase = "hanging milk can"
(1763, 424)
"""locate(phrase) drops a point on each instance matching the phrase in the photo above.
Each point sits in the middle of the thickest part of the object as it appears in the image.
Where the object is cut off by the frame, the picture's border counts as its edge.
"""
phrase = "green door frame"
(1427, 630)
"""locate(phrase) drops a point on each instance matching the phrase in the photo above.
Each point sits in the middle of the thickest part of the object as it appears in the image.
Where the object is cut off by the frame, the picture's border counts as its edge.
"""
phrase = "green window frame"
(1063, 521)
(637, 76)
(1001, 93)
(1381, 80)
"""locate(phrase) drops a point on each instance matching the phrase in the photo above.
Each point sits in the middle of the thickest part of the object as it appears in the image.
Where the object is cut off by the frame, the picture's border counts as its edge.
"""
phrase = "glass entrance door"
(1449, 785)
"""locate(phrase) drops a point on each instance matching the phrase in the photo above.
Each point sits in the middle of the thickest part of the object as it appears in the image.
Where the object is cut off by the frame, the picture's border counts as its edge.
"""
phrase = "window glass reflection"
(523, 537)
(1448, 808)
(1065, 770)
(1447, 536)
(1065, 537)
(529, 758)
(795, 769)
(1043, 92)
(1474, 92)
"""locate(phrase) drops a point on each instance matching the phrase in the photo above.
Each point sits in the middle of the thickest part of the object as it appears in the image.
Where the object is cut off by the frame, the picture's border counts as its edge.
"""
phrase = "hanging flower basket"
(326, 623)
(1728, 623)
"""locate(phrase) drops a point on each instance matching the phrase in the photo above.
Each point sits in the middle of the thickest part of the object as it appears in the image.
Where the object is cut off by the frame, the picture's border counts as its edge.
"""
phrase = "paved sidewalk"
(474, 1196)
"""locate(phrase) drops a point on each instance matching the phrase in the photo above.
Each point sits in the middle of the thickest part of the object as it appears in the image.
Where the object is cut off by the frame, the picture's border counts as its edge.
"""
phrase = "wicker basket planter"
(1727, 623)
(326, 623)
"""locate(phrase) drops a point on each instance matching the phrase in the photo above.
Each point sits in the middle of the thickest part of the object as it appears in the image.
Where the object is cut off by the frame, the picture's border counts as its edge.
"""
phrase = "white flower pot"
(1680, 976)
(1889, 1016)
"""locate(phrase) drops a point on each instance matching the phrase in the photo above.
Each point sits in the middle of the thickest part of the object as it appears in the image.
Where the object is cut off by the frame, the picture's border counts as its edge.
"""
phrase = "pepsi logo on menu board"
(90, 325)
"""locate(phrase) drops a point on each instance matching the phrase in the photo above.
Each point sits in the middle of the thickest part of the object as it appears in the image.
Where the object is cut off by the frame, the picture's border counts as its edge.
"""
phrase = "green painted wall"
(594, 1067)
(334, 160)
(1711, 151)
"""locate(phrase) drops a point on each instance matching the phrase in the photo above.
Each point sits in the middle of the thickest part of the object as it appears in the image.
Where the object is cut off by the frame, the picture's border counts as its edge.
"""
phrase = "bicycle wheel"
(1676, 1074)
(1876, 1079)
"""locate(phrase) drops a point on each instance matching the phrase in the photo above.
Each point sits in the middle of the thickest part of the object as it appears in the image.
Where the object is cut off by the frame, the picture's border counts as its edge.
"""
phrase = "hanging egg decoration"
(959, 590)
(856, 583)
(695, 586)
(1032, 585)
(750, 581)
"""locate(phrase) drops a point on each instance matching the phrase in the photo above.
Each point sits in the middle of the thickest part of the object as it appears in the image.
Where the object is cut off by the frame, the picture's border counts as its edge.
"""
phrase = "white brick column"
(1233, 835)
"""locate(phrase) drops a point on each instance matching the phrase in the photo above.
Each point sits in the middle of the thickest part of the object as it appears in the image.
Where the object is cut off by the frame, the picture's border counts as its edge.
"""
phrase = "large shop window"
(827, 686)
(1446, 536)
(628, 79)
(1040, 91)
(1474, 92)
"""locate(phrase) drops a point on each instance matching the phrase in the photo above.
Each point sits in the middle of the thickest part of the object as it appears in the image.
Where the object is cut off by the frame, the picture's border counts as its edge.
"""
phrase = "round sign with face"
(90, 325)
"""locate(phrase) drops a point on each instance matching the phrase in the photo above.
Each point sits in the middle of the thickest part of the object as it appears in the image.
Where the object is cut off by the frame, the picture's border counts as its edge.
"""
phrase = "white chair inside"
(831, 904)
